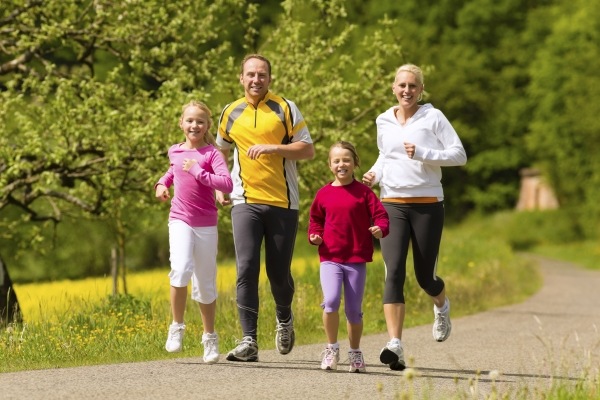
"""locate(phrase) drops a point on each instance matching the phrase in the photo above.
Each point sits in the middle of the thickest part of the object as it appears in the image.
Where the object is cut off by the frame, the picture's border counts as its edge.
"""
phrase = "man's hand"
(259, 149)
(222, 198)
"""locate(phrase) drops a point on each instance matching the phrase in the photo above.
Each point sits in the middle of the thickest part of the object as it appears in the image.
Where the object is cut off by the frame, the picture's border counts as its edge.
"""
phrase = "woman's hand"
(369, 178)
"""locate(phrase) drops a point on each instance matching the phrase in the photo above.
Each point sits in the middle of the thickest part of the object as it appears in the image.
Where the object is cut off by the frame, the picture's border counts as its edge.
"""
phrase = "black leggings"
(278, 226)
(420, 225)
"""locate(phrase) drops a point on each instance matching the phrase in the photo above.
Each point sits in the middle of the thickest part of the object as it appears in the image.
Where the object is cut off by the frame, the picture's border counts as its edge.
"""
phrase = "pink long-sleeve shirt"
(342, 216)
(194, 198)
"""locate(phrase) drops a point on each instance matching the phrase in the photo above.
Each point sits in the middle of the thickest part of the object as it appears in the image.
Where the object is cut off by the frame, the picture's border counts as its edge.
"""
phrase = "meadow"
(70, 323)
(75, 323)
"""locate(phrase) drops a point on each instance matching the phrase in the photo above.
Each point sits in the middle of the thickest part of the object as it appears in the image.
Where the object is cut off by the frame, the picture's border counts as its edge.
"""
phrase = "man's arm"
(291, 151)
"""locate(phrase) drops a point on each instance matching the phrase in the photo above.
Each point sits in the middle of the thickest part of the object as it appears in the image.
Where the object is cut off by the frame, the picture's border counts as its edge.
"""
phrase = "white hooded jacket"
(437, 145)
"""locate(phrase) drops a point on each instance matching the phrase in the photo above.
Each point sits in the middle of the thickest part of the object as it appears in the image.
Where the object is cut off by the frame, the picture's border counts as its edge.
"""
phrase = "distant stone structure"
(535, 193)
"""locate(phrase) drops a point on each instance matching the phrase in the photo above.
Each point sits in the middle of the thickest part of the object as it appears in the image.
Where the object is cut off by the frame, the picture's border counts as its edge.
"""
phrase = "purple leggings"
(353, 277)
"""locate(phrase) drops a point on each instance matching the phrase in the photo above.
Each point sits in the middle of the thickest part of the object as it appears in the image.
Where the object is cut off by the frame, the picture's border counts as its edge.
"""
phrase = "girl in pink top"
(344, 218)
(197, 169)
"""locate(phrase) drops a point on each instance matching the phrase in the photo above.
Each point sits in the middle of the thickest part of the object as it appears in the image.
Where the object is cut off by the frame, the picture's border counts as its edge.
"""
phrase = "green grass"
(126, 328)
(586, 253)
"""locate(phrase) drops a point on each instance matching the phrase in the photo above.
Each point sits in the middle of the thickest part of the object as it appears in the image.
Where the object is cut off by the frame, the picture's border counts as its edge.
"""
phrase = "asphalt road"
(551, 338)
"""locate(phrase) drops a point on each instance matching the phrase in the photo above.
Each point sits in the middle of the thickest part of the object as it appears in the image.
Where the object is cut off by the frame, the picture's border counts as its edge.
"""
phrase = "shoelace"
(245, 343)
(441, 322)
(174, 333)
(209, 342)
(210, 345)
(356, 358)
(284, 332)
(329, 354)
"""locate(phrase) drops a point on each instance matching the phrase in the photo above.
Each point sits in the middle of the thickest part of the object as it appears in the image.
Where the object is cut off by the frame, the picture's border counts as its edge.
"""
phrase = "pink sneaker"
(357, 362)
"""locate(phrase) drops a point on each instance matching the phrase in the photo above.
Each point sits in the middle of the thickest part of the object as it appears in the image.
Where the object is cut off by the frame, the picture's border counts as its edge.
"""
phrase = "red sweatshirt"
(342, 216)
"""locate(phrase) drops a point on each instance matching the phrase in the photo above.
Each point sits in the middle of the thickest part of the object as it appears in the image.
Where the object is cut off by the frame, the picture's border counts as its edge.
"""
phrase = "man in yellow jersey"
(270, 135)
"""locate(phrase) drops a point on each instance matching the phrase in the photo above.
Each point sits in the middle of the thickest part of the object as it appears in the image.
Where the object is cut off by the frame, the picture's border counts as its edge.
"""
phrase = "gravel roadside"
(551, 337)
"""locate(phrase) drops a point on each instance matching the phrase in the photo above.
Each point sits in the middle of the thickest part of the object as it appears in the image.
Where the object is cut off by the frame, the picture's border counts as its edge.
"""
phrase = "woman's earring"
(420, 96)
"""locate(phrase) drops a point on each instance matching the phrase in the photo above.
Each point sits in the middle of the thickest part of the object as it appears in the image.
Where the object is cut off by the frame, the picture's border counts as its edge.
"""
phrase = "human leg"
(428, 221)
(281, 226)
(204, 287)
(176, 332)
(331, 277)
(331, 285)
(248, 232)
(355, 275)
(394, 249)
(178, 297)
(181, 245)
(204, 279)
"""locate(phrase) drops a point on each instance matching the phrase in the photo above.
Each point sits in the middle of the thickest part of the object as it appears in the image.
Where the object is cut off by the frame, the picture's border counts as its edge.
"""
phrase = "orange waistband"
(405, 200)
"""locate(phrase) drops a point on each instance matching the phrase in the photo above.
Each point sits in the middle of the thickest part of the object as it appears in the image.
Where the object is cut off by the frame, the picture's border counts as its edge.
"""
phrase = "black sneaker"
(285, 337)
(246, 350)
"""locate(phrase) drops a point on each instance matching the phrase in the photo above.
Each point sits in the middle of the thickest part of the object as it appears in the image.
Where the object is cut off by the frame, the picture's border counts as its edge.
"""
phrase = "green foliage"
(90, 95)
(565, 130)
(525, 230)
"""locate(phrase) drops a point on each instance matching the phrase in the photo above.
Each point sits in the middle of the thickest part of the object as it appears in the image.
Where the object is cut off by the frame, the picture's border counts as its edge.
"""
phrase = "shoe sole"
(390, 358)
(397, 366)
(357, 370)
(231, 357)
(327, 368)
(387, 356)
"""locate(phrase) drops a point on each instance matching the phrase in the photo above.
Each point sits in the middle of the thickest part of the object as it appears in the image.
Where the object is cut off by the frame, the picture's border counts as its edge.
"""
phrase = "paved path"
(553, 336)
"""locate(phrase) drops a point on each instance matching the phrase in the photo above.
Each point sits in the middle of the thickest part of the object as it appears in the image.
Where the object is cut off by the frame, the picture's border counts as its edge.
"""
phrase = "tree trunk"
(114, 268)
(9, 304)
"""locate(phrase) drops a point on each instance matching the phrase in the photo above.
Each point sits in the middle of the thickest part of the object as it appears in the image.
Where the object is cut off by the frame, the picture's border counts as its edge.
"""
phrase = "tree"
(9, 304)
(564, 129)
(90, 97)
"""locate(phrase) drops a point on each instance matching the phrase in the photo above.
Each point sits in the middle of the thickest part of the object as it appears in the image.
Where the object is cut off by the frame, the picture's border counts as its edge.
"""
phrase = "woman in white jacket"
(414, 142)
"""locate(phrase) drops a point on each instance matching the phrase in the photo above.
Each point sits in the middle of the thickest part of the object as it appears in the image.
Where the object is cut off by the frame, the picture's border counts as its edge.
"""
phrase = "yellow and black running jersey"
(269, 179)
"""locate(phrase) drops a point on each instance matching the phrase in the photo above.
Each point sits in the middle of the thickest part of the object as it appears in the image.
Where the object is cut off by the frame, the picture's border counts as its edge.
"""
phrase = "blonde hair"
(346, 146)
(413, 69)
(208, 137)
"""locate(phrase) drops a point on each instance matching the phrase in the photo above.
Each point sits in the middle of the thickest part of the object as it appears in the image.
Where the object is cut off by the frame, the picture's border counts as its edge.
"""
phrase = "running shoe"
(331, 357)
(285, 336)
(246, 350)
(175, 338)
(442, 325)
(210, 341)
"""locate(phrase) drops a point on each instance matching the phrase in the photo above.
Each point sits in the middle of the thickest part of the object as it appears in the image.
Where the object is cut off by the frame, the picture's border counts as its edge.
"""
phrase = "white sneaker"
(175, 338)
(357, 361)
(393, 355)
(442, 325)
(330, 358)
(210, 341)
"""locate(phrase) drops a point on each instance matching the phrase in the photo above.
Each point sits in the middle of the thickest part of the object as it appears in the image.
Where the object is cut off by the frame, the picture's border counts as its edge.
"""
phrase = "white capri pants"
(193, 255)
